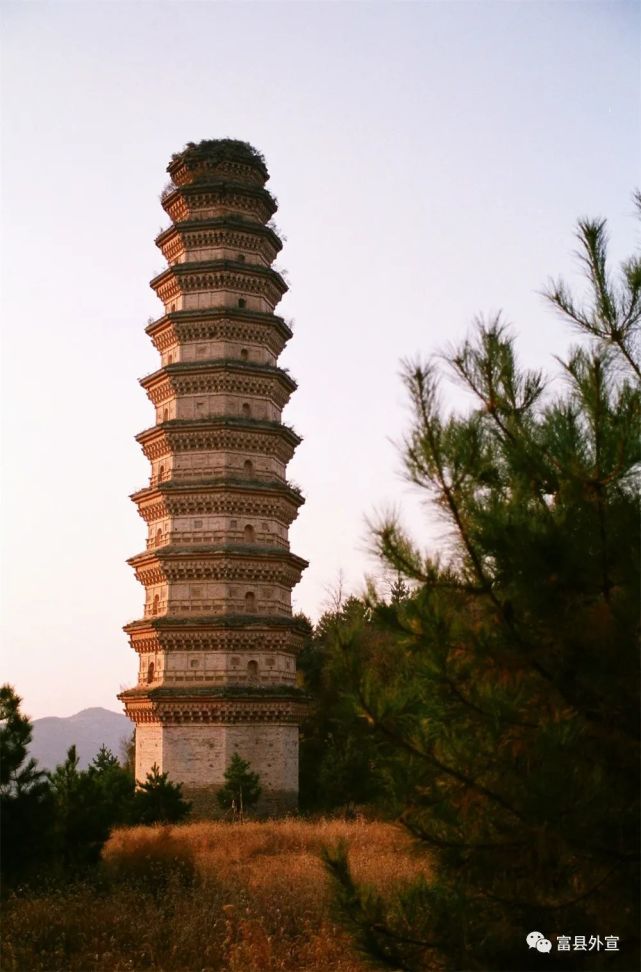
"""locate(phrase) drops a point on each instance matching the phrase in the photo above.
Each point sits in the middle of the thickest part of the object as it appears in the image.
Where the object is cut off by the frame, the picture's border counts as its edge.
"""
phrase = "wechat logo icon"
(539, 942)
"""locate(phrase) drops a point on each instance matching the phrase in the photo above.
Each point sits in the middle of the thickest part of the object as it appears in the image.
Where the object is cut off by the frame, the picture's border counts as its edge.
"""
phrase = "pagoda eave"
(179, 271)
(206, 314)
(198, 487)
(218, 423)
(191, 708)
(229, 691)
(236, 224)
(213, 365)
(241, 622)
(145, 638)
(207, 552)
(220, 191)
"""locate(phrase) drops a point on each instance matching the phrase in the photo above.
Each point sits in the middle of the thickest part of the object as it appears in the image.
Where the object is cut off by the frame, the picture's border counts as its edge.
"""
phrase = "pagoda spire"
(217, 644)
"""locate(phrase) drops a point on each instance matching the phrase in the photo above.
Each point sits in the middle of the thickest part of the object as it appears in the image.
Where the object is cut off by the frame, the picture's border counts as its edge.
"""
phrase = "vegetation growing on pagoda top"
(198, 158)
(198, 164)
(218, 150)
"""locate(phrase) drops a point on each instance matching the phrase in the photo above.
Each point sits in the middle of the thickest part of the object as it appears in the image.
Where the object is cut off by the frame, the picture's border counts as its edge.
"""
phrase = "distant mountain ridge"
(87, 730)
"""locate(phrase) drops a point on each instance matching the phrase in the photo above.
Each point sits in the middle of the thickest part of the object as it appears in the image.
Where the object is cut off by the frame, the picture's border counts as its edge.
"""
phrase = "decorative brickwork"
(217, 645)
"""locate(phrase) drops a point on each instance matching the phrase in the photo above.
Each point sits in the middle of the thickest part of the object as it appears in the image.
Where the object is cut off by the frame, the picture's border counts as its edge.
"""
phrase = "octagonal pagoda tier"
(218, 510)
(223, 237)
(204, 387)
(219, 283)
(217, 642)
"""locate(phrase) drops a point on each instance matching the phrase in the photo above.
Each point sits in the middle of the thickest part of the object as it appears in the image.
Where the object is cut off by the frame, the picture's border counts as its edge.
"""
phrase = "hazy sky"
(430, 161)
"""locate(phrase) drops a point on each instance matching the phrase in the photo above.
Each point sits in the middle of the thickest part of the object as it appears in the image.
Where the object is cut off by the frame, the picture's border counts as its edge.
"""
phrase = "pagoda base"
(196, 755)
(272, 803)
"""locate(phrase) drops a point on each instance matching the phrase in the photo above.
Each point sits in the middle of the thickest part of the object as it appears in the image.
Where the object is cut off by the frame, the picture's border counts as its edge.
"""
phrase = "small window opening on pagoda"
(156, 605)
(246, 409)
(248, 467)
(248, 534)
(165, 414)
(250, 602)
(150, 672)
(242, 302)
(252, 671)
(161, 474)
(173, 308)
(158, 536)
(170, 359)
(241, 257)
(244, 354)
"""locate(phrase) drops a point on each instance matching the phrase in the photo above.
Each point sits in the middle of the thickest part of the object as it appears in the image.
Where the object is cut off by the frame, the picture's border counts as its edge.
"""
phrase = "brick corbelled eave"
(210, 366)
(235, 224)
(215, 313)
(190, 708)
(181, 271)
(198, 487)
(220, 187)
(229, 551)
(227, 622)
(174, 427)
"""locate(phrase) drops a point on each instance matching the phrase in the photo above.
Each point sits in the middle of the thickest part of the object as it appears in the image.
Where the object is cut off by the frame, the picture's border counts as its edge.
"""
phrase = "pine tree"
(116, 788)
(25, 796)
(128, 753)
(104, 760)
(241, 789)
(338, 753)
(158, 800)
(508, 697)
(399, 589)
(81, 813)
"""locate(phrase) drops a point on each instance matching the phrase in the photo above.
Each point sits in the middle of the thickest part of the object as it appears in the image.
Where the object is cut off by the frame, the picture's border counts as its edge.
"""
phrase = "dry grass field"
(207, 896)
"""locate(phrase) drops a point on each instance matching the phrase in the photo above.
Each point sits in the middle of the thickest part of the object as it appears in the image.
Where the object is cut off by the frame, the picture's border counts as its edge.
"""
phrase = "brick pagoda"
(217, 644)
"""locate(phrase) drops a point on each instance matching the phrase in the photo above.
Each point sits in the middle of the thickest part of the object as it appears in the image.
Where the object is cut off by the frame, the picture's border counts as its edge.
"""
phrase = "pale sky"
(430, 162)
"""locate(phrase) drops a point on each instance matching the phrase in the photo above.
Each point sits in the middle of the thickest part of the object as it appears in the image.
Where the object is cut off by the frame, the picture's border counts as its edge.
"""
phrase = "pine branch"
(429, 757)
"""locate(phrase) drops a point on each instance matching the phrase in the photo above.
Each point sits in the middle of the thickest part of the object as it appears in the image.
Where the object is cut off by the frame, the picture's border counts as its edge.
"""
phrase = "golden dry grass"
(205, 897)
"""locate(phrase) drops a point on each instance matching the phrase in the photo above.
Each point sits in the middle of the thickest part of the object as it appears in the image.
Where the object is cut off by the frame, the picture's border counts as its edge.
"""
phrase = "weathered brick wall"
(148, 749)
(198, 755)
(193, 755)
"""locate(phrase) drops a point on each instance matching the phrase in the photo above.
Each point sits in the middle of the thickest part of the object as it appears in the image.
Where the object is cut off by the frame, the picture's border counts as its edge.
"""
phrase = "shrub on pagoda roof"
(218, 149)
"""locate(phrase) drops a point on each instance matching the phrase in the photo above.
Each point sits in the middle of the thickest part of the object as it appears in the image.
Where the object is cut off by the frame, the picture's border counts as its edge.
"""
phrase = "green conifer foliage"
(158, 800)
(241, 789)
(25, 795)
(81, 818)
(115, 786)
(507, 699)
(338, 752)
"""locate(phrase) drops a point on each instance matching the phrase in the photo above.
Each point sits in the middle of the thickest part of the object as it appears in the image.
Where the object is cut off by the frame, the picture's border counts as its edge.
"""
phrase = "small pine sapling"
(241, 789)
